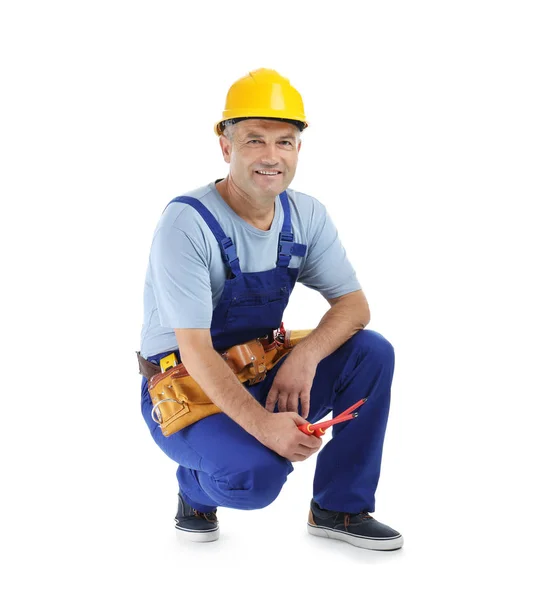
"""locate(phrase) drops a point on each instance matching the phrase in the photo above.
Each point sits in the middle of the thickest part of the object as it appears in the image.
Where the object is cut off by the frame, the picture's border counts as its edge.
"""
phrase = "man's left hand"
(292, 382)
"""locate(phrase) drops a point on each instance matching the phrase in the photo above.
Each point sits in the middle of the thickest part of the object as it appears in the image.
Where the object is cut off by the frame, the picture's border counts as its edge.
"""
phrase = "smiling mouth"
(268, 173)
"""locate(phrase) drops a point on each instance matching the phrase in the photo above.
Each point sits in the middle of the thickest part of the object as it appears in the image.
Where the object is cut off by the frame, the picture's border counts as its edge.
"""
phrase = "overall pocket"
(257, 309)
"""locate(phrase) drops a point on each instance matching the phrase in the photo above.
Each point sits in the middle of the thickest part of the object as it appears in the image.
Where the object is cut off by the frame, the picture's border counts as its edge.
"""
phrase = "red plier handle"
(319, 428)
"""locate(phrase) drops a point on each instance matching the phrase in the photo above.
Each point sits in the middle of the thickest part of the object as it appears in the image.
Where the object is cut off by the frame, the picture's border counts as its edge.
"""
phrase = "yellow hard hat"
(263, 93)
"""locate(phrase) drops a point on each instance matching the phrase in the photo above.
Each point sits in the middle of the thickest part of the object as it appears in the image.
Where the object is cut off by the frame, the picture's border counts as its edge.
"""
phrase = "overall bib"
(220, 464)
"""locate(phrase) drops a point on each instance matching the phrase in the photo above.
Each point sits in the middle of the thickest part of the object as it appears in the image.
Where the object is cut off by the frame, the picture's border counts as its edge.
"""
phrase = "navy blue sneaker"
(359, 529)
(194, 525)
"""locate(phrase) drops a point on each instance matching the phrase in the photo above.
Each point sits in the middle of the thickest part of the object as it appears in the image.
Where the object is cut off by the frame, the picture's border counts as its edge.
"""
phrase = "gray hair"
(229, 131)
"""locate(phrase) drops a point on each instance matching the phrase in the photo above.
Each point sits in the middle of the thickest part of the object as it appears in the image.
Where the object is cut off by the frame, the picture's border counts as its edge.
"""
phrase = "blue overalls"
(220, 464)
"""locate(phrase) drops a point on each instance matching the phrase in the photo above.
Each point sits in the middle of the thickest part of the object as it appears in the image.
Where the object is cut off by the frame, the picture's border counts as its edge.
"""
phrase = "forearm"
(221, 385)
(348, 315)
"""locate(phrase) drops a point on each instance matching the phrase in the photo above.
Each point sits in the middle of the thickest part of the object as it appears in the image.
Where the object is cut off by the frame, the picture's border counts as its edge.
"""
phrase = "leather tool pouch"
(247, 361)
(178, 400)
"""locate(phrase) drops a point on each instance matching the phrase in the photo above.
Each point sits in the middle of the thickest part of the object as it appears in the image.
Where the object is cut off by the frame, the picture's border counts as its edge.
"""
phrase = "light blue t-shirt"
(186, 275)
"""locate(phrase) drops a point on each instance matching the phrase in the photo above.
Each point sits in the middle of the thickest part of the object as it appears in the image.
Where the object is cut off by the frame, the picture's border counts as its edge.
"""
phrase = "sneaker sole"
(393, 543)
(191, 535)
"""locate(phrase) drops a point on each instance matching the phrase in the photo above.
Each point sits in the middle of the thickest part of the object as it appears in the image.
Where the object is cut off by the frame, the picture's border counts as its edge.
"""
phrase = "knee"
(268, 483)
(376, 346)
(257, 487)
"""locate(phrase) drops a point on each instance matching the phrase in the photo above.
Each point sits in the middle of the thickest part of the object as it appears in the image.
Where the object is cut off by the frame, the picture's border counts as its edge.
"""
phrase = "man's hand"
(280, 433)
(293, 380)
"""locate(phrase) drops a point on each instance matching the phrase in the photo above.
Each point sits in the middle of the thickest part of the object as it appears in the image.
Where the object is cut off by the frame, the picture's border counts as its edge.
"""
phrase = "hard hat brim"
(218, 128)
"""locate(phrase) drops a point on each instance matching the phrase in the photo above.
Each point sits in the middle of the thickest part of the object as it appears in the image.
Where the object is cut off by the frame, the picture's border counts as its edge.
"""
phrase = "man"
(222, 267)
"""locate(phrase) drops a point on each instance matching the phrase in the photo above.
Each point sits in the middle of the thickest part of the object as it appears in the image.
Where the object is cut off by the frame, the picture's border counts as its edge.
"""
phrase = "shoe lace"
(364, 515)
(209, 516)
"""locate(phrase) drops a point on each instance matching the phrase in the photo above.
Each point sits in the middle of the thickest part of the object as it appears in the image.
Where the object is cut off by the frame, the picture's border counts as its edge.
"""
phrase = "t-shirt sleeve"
(181, 280)
(327, 268)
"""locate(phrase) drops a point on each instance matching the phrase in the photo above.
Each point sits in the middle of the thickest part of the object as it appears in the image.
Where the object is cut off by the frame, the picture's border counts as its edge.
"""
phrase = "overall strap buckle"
(288, 248)
(229, 252)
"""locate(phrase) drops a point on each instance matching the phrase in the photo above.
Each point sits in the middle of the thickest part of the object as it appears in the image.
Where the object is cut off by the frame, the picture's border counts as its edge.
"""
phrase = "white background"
(429, 144)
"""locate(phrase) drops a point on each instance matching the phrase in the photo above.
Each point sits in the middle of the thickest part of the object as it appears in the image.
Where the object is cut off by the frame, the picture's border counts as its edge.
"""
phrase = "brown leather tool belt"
(178, 401)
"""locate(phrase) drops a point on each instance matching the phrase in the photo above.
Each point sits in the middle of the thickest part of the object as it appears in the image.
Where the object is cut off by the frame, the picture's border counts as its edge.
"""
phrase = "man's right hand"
(280, 433)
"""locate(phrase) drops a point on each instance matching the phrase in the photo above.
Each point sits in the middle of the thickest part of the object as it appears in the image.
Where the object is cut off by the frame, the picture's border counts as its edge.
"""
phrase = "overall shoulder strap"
(287, 247)
(229, 253)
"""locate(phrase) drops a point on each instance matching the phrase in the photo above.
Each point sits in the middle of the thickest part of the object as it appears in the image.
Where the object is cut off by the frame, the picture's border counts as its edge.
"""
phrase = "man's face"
(263, 156)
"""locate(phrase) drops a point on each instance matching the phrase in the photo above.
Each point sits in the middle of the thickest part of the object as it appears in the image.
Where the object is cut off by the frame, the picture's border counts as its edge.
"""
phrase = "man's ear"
(225, 145)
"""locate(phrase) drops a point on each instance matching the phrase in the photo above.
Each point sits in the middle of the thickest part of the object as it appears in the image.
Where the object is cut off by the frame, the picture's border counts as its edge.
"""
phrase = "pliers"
(319, 428)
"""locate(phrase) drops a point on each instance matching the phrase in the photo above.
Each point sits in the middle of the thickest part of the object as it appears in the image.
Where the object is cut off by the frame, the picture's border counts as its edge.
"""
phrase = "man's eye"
(286, 143)
(255, 142)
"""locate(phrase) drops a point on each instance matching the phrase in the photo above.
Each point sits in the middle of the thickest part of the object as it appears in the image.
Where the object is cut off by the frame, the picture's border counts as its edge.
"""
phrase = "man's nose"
(270, 155)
